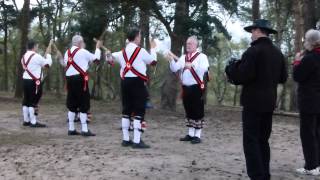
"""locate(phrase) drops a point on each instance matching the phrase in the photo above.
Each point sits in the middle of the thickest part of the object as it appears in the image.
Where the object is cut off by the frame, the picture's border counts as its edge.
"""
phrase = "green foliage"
(92, 20)
(218, 57)
(108, 20)
(8, 15)
(230, 5)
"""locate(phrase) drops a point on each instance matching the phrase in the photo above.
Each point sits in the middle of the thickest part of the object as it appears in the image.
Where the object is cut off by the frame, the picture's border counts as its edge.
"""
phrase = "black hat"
(261, 24)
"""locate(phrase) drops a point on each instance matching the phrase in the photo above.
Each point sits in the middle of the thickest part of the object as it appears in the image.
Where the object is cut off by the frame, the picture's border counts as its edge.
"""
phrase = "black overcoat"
(261, 68)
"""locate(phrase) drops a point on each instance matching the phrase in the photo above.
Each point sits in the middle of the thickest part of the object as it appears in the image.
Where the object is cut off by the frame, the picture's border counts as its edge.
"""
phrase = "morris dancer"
(133, 61)
(193, 67)
(77, 60)
(32, 63)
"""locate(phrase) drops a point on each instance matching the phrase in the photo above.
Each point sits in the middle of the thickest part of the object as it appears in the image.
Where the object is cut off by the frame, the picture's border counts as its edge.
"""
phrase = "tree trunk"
(5, 65)
(169, 88)
(255, 9)
(309, 11)
(145, 34)
(298, 46)
(24, 28)
(144, 25)
(205, 47)
(282, 13)
(58, 35)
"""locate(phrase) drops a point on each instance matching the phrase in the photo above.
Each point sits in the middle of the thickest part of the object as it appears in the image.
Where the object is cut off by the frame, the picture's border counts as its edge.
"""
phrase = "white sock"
(136, 131)
(125, 123)
(83, 119)
(198, 133)
(33, 118)
(191, 131)
(71, 116)
(25, 112)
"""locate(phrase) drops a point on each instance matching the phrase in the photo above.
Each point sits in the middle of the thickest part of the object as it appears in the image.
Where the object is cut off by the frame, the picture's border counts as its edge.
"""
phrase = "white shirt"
(200, 65)
(35, 64)
(139, 64)
(82, 58)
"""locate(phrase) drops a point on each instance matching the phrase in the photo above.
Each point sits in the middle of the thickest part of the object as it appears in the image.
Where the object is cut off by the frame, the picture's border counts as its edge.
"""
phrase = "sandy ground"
(41, 154)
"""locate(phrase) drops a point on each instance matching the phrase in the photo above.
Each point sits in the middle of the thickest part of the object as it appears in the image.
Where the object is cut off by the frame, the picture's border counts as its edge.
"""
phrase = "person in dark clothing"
(261, 68)
(306, 72)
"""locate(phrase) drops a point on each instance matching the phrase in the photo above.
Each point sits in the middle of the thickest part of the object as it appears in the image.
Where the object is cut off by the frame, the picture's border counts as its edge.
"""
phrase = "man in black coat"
(306, 72)
(261, 68)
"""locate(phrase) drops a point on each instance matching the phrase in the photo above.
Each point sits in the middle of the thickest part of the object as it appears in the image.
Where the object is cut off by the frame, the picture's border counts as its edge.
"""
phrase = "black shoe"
(195, 140)
(140, 145)
(89, 133)
(126, 143)
(186, 138)
(26, 123)
(38, 125)
(73, 133)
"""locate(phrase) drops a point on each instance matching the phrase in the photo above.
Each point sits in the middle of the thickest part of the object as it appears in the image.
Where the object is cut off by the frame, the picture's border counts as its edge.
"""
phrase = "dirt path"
(50, 154)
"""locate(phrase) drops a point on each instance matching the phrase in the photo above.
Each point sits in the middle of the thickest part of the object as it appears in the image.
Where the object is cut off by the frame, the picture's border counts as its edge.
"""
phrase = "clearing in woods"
(48, 153)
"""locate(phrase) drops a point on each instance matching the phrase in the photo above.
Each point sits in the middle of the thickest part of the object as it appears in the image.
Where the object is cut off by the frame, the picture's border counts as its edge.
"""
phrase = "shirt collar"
(131, 44)
(261, 39)
(74, 47)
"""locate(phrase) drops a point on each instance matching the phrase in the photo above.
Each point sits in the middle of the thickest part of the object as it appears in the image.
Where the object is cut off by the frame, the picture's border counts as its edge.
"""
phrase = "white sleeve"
(202, 65)
(45, 60)
(115, 57)
(91, 57)
(176, 66)
(148, 58)
(205, 63)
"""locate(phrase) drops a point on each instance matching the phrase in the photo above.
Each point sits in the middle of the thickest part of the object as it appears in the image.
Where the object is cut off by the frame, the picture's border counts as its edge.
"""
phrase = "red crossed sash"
(193, 72)
(129, 63)
(71, 62)
(25, 67)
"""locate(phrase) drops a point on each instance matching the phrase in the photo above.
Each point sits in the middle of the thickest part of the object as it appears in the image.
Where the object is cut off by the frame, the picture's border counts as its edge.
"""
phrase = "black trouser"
(134, 96)
(30, 97)
(256, 132)
(78, 99)
(310, 139)
(193, 102)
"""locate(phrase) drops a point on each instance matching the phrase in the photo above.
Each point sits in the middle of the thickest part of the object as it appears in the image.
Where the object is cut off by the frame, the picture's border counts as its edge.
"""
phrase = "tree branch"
(15, 4)
(195, 11)
(157, 14)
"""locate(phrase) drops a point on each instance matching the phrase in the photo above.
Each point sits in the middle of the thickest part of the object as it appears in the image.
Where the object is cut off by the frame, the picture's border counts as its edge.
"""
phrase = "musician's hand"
(172, 56)
(299, 56)
(98, 44)
(168, 57)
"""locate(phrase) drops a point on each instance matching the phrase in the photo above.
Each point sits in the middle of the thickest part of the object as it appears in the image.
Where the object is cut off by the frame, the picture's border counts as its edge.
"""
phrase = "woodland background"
(108, 20)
